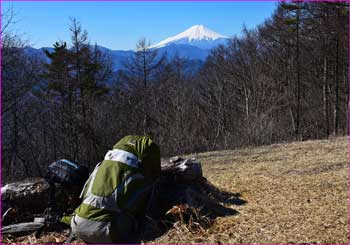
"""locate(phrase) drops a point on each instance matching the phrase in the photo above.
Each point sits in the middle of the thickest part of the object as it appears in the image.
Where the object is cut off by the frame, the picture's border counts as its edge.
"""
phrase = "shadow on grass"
(219, 198)
(194, 204)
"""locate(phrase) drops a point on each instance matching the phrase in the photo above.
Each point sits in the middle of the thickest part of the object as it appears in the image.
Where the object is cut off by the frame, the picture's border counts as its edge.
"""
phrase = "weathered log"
(21, 228)
(29, 198)
(21, 197)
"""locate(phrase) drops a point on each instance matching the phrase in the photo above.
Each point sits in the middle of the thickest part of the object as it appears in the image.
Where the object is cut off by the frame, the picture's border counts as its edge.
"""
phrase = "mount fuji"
(198, 36)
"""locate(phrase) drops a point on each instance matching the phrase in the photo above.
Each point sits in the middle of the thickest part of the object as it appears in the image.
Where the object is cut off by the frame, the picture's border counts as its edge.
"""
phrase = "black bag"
(67, 173)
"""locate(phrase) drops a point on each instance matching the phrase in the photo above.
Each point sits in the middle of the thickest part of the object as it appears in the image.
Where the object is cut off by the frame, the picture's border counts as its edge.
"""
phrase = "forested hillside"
(283, 81)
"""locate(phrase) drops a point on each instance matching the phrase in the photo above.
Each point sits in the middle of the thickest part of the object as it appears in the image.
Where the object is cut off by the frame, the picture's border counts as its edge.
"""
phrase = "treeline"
(285, 80)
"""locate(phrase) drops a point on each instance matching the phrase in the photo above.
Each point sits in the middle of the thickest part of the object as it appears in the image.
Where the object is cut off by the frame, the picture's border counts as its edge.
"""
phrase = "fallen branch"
(21, 228)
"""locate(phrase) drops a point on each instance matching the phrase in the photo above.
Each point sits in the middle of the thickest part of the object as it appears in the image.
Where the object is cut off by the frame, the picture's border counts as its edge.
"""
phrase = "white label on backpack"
(123, 156)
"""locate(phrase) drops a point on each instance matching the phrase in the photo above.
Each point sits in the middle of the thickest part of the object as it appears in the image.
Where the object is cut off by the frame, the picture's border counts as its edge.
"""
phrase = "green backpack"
(123, 181)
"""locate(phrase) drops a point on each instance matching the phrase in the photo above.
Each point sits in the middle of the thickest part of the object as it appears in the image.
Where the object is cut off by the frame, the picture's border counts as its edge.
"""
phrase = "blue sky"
(119, 25)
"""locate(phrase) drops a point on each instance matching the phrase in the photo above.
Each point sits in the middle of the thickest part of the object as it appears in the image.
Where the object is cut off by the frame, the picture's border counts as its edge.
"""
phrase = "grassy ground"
(294, 193)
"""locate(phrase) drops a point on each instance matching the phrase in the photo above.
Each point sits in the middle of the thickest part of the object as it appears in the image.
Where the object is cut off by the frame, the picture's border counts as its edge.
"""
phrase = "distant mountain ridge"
(194, 44)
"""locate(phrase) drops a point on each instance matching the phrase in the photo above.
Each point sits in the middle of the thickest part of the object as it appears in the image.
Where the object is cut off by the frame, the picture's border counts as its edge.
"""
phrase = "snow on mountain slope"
(197, 35)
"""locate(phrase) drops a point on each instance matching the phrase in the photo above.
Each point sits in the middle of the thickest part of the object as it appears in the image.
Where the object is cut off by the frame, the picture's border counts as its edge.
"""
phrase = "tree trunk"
(325, 98)
(336, 77)
(298, 109)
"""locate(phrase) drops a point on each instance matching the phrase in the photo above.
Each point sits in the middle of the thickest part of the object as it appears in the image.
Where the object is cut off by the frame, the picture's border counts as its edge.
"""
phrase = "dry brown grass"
(295, 193)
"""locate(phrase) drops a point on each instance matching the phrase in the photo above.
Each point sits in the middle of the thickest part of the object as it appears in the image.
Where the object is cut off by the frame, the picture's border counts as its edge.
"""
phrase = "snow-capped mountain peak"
(199, 32)
(197, 35)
